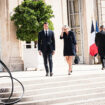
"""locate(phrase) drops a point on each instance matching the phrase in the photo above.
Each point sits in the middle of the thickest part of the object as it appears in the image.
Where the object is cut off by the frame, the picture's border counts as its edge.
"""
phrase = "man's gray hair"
(102, 26)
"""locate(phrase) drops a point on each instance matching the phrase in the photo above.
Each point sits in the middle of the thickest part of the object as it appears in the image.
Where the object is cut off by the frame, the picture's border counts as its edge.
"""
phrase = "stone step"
(61, 87)
(61, 83)
(1, 103)
(6, 95)
(63, 94)
(43, 80)
(99, 101)
(44, 92)
(4, 90)
(64, 99)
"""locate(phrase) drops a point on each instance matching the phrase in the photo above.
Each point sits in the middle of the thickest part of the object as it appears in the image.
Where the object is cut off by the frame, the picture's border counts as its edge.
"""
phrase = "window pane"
(76, 10)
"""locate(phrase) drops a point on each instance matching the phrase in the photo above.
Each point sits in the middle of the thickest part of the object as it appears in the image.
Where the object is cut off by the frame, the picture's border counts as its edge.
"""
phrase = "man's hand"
(53, 52)
(40, 53)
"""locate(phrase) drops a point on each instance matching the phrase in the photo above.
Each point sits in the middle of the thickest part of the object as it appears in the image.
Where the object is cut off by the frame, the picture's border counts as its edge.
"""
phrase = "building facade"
(78, 14)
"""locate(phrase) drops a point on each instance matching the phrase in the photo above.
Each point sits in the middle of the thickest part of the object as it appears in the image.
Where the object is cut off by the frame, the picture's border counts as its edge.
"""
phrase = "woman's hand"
(62, 32)
(76, 48)
(62, 29)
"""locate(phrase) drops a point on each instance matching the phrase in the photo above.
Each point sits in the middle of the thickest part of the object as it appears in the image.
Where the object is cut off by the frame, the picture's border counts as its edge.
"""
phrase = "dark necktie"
(46, 33)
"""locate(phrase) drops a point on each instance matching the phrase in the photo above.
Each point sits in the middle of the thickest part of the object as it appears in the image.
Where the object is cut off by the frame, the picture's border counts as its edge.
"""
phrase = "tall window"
(101, 11)
(75, 21)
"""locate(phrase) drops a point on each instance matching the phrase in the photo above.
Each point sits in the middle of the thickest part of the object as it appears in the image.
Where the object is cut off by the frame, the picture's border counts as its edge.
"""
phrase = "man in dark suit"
(46, 47)
(100, 42)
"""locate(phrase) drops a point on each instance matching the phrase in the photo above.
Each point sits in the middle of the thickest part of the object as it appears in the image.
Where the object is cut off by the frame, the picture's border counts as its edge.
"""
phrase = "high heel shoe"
(69, 72)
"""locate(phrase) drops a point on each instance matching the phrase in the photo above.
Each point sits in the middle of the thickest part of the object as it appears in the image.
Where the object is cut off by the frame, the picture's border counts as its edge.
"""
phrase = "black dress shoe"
(103, 68)
(46, 74)
(51, 74)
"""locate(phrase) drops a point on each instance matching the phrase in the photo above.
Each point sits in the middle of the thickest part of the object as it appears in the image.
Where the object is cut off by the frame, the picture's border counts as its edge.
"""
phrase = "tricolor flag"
(93, 48)
(97, 29)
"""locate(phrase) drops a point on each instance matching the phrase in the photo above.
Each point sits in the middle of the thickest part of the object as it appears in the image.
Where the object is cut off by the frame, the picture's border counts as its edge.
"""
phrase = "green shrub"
(29, 18)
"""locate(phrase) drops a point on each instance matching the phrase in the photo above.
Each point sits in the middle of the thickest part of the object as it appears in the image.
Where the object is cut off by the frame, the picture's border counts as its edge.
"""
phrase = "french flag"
(93, 48)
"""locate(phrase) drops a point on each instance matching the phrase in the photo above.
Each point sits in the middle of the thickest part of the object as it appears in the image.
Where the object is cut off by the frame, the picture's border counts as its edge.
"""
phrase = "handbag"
(76, 59)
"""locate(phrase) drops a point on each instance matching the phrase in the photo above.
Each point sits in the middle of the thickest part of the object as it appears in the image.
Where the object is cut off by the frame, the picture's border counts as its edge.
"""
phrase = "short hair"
(45, 22)
(66, 27)
(102, 26)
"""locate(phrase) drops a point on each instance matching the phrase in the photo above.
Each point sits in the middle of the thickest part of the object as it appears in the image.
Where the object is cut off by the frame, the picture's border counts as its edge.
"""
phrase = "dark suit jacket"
(100, 42)
(69, 43)
(46, 44)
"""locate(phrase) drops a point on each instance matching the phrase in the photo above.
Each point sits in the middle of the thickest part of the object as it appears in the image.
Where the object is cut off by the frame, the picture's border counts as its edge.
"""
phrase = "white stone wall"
(10, 51)
(4, 24)
(15, 43)
(89, 14)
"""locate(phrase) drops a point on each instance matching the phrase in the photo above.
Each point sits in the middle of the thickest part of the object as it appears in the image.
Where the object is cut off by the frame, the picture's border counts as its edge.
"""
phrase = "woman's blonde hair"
(66, 27)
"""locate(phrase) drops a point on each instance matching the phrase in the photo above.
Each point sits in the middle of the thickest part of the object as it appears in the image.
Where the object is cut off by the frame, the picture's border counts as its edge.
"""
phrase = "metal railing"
(9, 100)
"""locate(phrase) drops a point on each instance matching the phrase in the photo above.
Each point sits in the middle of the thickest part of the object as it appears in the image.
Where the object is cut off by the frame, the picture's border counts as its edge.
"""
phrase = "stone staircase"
(87, 89)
